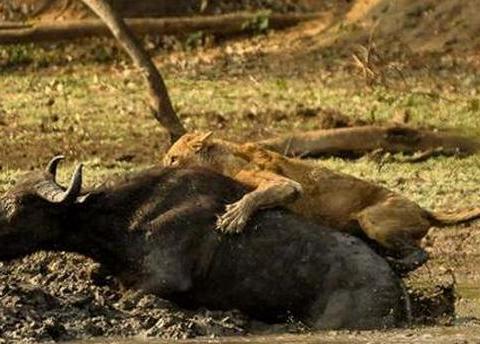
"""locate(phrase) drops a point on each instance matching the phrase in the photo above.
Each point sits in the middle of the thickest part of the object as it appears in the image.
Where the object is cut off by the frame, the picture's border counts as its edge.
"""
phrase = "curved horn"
(75, 185)
(53, 164)
(52, 192)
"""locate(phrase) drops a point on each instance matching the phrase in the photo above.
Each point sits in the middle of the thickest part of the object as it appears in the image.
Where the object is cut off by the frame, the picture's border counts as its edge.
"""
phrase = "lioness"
(330, 198)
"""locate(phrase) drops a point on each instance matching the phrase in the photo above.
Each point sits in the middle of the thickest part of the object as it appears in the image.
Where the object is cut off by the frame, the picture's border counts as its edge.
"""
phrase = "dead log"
(356, 141)
(159, 99)
(8, 25)
(225, 25)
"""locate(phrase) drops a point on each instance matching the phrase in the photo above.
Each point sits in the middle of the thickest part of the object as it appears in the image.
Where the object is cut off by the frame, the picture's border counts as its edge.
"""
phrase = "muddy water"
(436, 335)
(466, 330)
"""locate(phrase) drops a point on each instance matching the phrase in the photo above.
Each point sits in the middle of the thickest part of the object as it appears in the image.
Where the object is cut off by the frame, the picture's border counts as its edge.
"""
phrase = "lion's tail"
(446, 219)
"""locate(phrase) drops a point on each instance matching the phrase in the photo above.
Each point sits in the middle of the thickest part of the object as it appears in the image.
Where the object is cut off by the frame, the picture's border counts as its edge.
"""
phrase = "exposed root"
(357, 141)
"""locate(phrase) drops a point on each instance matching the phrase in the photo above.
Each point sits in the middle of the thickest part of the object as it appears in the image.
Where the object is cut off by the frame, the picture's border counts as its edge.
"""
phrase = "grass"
(97, 113)
(100, 114)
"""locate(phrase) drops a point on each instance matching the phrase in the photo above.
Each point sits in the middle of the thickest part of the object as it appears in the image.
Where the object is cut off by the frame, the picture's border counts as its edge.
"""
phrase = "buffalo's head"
(31, 212)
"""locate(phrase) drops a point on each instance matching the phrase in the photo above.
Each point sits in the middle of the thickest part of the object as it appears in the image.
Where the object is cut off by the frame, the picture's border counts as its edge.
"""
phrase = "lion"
(390, 221)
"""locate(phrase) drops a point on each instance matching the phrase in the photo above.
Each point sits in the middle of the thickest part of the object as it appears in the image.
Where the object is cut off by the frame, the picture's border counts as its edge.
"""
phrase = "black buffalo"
(154, 231)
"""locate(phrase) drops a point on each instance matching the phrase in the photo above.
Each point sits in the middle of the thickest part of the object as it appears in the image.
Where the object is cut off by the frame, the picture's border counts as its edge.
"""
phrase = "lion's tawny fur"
(337, 200)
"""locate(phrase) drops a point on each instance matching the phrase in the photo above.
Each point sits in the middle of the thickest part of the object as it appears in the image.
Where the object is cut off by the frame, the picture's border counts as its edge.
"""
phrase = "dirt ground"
(83, 99)
(401, 26)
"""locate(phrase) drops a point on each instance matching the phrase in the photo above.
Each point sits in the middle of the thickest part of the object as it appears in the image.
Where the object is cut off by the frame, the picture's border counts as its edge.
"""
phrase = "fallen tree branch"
(159, 99)
(360, 140)
(424, 156)
(227, 25)
(8, 25)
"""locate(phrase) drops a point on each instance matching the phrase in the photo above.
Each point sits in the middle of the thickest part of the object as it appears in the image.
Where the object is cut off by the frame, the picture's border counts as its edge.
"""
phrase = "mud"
(428, 335)
(54, 297)
(50, 297)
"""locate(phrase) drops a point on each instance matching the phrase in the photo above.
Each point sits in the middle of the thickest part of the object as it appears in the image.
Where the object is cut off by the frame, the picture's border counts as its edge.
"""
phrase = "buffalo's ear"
(200, 141)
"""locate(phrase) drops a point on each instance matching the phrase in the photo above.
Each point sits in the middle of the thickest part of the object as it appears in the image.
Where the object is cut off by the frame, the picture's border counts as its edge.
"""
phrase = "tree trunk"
(363, 139)
(159, 99)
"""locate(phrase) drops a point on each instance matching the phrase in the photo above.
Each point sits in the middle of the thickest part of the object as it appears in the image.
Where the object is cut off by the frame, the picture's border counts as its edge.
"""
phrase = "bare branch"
(159, 99)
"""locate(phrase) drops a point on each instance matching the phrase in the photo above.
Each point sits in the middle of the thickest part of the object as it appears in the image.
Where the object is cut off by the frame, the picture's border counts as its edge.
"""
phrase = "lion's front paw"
(235, 217)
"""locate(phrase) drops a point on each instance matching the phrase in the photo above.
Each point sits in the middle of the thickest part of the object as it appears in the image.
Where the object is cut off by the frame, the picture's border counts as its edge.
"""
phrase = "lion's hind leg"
(397, 225)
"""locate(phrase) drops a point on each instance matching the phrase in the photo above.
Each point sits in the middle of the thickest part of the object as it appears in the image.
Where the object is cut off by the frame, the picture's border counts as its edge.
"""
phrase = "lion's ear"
(200, 141)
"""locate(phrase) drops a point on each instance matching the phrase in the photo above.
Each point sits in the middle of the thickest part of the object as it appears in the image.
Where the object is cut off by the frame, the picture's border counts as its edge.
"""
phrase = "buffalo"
(154, 231)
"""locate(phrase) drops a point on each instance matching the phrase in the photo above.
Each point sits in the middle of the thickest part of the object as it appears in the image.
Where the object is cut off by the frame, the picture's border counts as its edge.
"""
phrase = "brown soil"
(402, 26)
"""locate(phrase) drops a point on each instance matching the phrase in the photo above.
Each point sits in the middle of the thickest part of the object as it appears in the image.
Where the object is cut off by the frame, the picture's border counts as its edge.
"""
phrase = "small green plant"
(259, 23)
(194, 40)
(18, 54)
(102, 54)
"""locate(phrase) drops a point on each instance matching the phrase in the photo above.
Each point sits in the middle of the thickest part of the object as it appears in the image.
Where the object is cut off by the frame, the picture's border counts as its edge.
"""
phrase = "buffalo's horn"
(52, 192)
(52, 165)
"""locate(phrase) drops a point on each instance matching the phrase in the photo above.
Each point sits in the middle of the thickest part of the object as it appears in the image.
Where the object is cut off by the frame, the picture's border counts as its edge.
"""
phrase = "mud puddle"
(465, 330)
(456, 334)
(48, 297)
